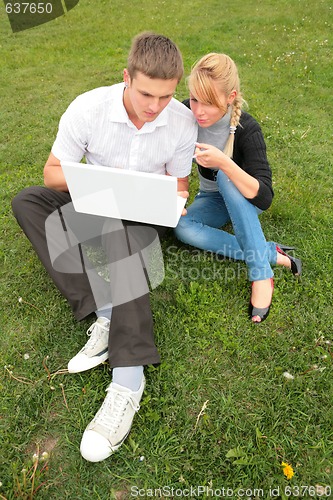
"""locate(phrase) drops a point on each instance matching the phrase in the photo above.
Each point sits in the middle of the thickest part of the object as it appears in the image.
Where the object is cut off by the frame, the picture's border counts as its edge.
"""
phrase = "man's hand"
(183, 194)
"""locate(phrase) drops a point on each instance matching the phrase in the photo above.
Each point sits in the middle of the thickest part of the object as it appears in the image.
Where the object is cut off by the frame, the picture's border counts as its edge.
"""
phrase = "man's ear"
(127, 79)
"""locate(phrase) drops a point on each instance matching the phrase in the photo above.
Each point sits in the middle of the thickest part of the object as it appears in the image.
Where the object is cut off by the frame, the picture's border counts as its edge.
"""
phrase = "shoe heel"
(284, 248)
(295, 264)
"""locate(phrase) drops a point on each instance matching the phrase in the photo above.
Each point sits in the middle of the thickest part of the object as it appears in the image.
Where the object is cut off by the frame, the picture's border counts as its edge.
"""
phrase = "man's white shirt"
(96, 126)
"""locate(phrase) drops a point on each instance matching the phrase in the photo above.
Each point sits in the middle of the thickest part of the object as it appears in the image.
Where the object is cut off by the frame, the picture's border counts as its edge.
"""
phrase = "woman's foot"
(261, 300)
(283, 259)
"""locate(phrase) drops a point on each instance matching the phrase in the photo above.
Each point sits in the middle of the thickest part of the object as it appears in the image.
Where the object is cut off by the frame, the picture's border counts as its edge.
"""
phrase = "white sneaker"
(112, 423)
(95, 351)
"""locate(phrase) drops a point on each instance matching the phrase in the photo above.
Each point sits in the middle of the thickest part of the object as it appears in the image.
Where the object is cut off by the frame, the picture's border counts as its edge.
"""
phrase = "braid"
(236, 112)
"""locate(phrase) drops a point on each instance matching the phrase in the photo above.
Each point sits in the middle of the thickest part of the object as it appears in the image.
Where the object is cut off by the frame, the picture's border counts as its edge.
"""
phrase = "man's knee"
(22, 200)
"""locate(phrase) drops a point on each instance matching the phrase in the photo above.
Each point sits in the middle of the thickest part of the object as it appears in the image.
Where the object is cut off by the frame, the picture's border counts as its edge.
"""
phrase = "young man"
(133, 125)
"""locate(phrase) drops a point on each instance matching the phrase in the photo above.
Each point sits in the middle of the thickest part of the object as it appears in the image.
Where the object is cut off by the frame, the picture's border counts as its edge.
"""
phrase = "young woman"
(235, 181)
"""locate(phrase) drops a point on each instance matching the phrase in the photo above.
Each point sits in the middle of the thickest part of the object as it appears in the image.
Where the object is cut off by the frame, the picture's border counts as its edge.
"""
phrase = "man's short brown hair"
(156, 56)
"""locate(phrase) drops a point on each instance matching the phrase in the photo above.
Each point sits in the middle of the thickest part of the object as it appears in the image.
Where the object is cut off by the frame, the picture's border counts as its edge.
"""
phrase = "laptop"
(124, 194)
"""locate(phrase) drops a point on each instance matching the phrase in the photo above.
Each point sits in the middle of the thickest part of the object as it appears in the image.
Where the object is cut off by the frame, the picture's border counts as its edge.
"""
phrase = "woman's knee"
(187, 229)
(228, 189)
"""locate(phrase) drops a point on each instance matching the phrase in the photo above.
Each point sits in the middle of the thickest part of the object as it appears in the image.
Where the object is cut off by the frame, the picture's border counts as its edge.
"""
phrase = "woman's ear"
(232, 96)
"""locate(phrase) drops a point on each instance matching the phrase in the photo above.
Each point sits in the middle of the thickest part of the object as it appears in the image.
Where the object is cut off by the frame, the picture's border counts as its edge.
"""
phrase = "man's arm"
(182, 188)
(53, 174)
(183, 184)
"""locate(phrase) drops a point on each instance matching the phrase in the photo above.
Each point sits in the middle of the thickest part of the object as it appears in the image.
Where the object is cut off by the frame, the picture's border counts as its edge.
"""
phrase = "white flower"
(141, 458)
(45, 455)
(35, 457)
(288, 376)
(26, 356)
(20, 300)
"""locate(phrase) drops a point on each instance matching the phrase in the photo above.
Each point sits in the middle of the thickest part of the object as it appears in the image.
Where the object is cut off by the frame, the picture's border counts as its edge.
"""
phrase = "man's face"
(145, 98)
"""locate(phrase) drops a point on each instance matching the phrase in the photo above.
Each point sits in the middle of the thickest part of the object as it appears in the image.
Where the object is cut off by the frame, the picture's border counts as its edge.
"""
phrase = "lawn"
(219, 416)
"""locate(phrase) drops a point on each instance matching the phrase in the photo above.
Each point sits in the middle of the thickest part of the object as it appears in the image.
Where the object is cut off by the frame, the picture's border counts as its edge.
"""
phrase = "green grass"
(218, 412)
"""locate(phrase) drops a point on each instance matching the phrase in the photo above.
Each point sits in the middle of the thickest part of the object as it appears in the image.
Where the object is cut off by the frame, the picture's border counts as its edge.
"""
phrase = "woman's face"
(207, 114)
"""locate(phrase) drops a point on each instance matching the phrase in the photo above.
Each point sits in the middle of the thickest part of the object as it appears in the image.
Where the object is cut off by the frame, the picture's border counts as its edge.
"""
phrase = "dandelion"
(22, 301)
(288, 471)
(35, 457)
(45, 456)
(288, 376)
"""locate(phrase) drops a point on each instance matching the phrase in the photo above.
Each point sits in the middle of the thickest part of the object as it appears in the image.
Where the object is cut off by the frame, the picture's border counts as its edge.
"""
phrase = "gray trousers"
(58, 234)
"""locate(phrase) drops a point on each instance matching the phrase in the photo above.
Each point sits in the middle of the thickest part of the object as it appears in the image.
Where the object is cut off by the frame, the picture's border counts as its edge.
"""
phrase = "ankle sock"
(128, 376)
(105, 311)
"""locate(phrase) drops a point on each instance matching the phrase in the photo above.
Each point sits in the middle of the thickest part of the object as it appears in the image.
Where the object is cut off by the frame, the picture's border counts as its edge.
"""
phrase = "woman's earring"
(126, 85)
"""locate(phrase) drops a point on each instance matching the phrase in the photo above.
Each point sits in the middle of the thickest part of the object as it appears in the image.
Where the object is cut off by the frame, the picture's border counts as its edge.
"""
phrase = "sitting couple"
(138, 125)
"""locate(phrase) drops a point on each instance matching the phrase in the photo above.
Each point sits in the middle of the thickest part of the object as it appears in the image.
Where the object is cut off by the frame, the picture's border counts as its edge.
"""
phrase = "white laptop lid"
(124, 194)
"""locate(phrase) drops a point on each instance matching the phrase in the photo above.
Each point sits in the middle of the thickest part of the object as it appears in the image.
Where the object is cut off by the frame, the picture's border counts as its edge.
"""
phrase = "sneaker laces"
(94, 333)
(114, 407)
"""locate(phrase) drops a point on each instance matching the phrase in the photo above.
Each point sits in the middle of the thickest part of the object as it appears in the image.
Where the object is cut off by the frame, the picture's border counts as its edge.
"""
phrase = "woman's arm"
(211, 157)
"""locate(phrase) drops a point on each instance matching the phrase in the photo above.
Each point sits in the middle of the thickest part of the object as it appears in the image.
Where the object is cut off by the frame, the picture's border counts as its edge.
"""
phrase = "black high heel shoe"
(295, 264)
(262, 312)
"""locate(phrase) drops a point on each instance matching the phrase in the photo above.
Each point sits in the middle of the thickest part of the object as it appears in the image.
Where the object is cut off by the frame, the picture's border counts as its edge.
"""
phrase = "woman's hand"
(209, 156)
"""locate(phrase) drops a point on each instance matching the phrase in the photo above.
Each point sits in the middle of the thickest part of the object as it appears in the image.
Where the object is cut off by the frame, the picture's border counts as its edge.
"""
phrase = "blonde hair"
(156, 56)
(218, 69)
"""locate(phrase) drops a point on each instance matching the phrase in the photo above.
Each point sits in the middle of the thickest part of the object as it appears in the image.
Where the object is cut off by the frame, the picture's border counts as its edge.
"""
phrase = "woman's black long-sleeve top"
(250, 155)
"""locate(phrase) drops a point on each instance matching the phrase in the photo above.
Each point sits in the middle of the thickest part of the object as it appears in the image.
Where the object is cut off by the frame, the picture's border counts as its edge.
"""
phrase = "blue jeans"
(212, 210)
